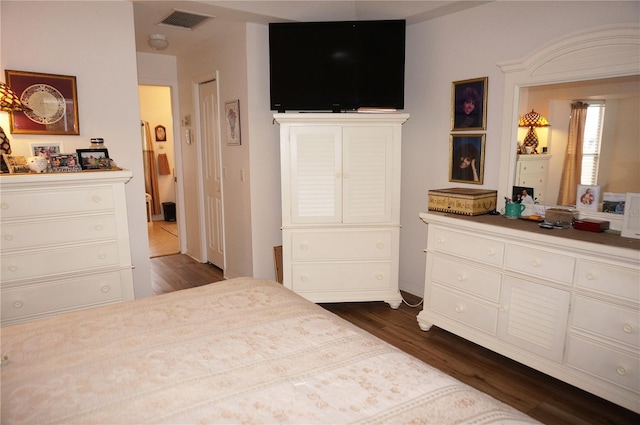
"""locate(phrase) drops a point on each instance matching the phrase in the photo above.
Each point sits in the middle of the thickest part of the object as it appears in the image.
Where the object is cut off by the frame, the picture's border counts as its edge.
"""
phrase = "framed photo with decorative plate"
(52, 98)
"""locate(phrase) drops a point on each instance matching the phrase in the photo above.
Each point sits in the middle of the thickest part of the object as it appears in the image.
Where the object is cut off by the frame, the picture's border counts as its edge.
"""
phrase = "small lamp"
(9, 102)
(158, 41)
(532, 120)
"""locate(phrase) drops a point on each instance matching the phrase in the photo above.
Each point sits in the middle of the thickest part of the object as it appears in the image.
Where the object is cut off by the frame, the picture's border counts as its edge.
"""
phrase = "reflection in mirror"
(617, 166)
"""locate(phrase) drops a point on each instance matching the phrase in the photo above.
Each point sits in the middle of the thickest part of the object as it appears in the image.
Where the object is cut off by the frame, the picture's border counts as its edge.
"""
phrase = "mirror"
(580, 59)
(619, 159)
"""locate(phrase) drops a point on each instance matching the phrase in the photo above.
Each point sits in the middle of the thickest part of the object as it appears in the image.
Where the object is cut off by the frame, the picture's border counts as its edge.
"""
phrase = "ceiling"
(147, 15)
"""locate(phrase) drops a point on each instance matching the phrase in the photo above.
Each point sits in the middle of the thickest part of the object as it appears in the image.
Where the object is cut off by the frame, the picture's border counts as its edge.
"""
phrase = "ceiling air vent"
(184, 20)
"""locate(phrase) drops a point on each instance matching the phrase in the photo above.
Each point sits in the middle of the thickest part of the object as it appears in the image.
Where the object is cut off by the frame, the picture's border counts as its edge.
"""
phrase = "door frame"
(200, 167)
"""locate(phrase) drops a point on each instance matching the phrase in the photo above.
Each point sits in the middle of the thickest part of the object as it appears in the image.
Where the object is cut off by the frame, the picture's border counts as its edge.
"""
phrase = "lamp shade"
(532, 120)
(158, 41)
(9, 100)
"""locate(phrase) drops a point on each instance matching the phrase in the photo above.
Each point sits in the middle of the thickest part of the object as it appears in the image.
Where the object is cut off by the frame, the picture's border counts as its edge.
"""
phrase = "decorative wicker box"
(458, 200)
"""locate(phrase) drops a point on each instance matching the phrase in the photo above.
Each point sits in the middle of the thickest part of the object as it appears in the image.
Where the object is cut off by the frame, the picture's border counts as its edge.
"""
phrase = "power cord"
(411, 305)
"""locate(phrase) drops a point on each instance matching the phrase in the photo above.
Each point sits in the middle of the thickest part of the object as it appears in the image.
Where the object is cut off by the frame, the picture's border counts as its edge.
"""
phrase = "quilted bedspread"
(240, 351)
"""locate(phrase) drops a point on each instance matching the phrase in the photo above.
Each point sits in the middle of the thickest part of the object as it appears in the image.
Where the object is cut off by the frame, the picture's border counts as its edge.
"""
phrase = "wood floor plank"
(544, 398)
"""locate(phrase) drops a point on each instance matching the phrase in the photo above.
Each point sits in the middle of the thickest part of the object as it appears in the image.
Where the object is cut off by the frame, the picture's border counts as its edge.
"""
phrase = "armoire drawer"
(618, 323)
(23, 204)
(352, 245)
(18, 235)
(609, 279)
(463, 276)
(37, 299)
(465, 310)
(470, 247)
(25, 265)
(539, 263)
(605, 362)
(341, 276)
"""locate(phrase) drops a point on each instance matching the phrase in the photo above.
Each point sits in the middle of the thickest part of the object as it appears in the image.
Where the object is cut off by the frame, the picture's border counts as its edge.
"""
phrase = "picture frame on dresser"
(631, 221)
(587, 197)
(466, 158)
(45, 149)
(64, 163)
(94, 159)
(60, 116)
(17, 164)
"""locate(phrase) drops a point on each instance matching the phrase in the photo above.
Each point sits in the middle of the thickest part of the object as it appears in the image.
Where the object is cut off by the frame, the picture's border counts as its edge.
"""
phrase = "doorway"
(160, 180)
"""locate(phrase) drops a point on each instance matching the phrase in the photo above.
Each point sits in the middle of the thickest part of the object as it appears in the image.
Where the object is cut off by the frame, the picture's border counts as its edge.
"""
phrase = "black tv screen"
(337, 66)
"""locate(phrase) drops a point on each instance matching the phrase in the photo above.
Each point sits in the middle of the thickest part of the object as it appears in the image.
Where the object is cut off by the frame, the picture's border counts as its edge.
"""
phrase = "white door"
(211, 165)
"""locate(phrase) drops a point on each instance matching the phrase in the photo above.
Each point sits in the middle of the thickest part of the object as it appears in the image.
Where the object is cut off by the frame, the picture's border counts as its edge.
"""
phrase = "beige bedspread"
(239, 351)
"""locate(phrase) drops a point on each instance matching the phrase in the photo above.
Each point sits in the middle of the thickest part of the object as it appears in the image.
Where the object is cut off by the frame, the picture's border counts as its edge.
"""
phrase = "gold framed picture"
(53, 101)
(469, 104)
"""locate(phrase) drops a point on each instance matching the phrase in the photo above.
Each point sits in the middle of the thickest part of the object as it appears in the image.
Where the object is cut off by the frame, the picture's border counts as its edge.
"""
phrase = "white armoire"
(340, 177)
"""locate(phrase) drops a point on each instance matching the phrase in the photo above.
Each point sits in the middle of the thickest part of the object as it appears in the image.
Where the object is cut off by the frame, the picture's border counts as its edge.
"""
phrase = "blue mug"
(513, 210)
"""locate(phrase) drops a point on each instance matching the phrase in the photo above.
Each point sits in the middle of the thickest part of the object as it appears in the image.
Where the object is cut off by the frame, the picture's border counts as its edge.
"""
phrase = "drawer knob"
(459, 308)
(18, 304)
(503, 309)
(379, 276)
(13, 268)
(304, 278)
(591, 276)
(304, 247)
(627, 328)
(105, 289)
(102, 255)
(462, 277)
(536, 263)
(99, 227)
(4, 206)
(622, 371)
(440, 240)
(380, 245)
(95, 199)
(8, 237)
(490, 252)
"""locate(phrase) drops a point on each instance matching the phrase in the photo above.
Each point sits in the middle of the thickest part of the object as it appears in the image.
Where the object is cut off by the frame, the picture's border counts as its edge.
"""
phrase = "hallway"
(163, 238)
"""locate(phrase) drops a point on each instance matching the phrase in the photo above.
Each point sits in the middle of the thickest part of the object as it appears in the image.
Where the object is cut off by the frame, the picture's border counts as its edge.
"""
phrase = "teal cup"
(513, 210)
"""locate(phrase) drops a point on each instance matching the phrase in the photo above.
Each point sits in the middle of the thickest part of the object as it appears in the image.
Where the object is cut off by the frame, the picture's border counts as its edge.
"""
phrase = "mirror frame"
(596, 53)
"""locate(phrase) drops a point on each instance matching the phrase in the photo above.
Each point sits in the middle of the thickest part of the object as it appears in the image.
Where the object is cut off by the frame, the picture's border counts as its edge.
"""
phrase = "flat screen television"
(337, 66)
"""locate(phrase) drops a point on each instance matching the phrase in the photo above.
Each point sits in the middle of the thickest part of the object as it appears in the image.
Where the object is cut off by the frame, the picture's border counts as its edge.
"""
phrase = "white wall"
(93, 41)
(466, 45)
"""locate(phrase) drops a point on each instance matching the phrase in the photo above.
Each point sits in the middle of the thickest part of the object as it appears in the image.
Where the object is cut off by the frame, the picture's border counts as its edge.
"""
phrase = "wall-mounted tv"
(337, 66)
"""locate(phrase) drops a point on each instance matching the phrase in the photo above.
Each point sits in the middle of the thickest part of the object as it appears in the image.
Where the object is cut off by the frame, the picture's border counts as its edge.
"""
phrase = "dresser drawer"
(22, 204)
(463, 276)
(352, 245)
(64, 260)
(531, 180)
(38, 299)
(462, 309)
(615, 366)
(319, 277)
(20, 235)
(467, 246)
(532, 167)
(609, 279)
(539, 263)
(607, 320)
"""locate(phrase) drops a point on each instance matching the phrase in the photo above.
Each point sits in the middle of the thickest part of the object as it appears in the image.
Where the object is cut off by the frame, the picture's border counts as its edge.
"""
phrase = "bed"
(239, 351)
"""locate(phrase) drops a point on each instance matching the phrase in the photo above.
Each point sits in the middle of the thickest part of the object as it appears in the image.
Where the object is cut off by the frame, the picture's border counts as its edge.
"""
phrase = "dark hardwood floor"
(540, 396)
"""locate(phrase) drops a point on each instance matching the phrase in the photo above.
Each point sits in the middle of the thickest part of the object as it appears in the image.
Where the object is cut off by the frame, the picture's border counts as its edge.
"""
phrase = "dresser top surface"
(571, 234)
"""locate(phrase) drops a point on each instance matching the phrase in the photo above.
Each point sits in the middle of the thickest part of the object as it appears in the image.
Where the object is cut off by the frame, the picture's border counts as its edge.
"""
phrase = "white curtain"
(150, 173)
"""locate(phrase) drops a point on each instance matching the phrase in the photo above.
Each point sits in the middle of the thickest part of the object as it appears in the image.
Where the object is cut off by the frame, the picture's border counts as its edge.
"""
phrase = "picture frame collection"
(468, 115)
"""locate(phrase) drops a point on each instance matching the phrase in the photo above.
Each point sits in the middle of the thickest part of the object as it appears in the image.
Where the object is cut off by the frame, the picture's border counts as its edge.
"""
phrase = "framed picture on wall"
(232, 121)
(469, 104)
(466, 158)
(53, 99)
(161, 133)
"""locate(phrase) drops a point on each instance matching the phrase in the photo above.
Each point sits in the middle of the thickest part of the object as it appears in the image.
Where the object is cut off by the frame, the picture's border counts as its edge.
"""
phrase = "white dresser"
(565, 302)
(340, 176)
(532, 171)
(64, 244)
